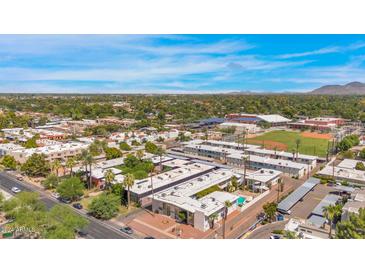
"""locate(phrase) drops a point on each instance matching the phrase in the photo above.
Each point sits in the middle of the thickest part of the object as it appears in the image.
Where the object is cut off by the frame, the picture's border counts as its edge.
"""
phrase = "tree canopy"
(36, 165)
(71, 188)
(105, 206)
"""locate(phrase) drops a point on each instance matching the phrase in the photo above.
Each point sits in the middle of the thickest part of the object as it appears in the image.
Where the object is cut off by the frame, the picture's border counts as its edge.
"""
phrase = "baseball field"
(310, 143)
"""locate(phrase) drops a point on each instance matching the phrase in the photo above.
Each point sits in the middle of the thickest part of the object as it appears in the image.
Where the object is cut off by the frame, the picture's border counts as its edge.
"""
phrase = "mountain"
(352, 88)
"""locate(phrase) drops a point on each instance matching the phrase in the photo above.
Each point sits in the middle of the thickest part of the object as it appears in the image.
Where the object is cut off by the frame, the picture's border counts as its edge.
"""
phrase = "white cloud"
(326, 50)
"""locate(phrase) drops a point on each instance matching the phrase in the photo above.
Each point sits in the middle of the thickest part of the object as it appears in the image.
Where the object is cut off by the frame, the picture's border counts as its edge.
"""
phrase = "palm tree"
(128, 182)
(90, 160)
(212, 218)
(140, 154)
(330, 213)
(109, 177)
(70, 163)
(87, 160)
(297, 144)
(160, 152)
(55, 166)
(227, 204)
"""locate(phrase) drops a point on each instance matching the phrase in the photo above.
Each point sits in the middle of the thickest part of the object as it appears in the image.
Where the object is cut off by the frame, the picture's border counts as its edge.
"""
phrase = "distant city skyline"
(178, 63)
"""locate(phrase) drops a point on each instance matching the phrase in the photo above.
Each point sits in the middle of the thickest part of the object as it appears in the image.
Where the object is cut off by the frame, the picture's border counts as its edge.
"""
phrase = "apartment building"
(233, 154)
(354, 204)
(257, 162)
(181, 200)
(261, 180)
(53, 152)
(142, 189)
(6, 148)
(309, 160)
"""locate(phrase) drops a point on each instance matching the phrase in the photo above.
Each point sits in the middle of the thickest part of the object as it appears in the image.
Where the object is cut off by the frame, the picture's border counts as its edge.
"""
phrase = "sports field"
(310, 143)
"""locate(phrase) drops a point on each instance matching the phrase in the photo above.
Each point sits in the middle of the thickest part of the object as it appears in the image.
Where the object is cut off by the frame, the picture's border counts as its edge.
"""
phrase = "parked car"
(77, 206)
(55, 195)
(20, 178)
(149, 237)
(81, 233)
(275, 237)
(65, 200)
(127, 229)
(15, 190)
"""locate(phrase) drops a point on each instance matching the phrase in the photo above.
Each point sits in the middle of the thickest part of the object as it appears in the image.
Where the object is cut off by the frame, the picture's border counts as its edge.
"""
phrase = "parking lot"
(303, 208)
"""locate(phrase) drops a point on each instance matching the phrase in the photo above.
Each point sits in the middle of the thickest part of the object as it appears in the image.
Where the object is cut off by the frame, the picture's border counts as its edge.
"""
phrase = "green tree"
(332, 212)
(360, 166)
(270, 210)
(63, 223)
(362, 153)
(105, 206)
(70, 163)
(27, 211)
(151, 147)
(140, 154)
(109, 177)
(55, 166)
(118, 189)
(353, 228)
(71, 188)
(8, 161)
(2, 200)
(31, 143)
(36, 165)
(128, 182)
(50, 182)
(112, 153)
(124, 146)
(96, 148)
(131, 161)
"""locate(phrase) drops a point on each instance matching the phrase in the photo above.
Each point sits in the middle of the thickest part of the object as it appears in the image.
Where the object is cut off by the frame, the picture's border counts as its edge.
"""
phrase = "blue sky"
(178, 63)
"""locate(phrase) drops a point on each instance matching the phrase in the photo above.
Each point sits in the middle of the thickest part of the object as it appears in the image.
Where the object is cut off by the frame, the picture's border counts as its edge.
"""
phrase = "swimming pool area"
(241, 200)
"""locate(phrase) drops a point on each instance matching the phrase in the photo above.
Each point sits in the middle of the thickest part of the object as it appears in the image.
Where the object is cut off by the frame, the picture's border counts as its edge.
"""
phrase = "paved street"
(96, 229)
(264, 232)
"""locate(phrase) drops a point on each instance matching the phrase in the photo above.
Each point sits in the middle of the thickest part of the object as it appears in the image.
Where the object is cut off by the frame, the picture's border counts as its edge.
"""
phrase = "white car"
(15, 189)
(55, 195)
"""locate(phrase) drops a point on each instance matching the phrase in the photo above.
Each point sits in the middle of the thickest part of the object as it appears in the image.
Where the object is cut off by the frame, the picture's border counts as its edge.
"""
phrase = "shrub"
(124, 146)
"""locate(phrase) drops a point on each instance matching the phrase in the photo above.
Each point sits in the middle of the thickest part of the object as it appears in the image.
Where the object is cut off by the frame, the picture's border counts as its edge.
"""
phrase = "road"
(96, 229)
(264, 232)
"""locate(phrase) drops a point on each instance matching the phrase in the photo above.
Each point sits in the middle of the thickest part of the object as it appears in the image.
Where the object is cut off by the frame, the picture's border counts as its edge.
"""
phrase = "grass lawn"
(285, 140)
(122, 209)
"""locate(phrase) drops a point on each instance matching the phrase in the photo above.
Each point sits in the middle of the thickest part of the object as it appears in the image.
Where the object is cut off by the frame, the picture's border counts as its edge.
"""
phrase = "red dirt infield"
(316, 135)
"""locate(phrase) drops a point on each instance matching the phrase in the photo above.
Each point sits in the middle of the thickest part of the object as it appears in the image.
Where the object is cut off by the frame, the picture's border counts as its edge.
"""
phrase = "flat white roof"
(344, 173)
(182, 195)
(53, 148)
(349, 163)
(270, 161)
(263, 175)
(280, 153)
(10, 146)
(98, 173)
(273, 118)
(169, 177)
(176, 163)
